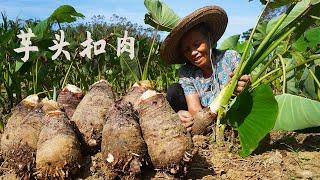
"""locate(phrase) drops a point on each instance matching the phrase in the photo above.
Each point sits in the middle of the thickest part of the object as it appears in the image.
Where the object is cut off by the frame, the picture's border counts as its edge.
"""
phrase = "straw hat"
(214, 17)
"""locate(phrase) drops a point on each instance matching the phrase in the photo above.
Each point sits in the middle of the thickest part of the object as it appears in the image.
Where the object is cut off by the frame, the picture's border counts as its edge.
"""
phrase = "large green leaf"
(313, 36)
(295, 13)
(65, 13)
(296, 113)
(300, 45)
(230, 43)
(160, 16)
(253, 115)
(41, 29)
(309, 39)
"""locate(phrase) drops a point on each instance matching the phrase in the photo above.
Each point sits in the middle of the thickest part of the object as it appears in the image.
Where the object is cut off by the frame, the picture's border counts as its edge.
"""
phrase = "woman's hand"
(186, 119)
(242, 82)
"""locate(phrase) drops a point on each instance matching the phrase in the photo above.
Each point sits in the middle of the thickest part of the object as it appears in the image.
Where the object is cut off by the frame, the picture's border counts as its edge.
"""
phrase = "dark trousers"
(176, 97)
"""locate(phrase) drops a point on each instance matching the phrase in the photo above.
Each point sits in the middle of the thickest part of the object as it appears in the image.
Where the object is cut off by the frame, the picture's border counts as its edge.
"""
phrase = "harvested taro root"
(58, 149)
(123, 148)
(90, 113)
(19, 141)
(21, 110)
(202, 121)
(69, 98)
(134, 93)
(169, 143)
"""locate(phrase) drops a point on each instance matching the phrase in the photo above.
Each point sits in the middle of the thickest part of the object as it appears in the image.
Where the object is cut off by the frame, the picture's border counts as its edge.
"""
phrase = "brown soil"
(283, 155)
(294, 155)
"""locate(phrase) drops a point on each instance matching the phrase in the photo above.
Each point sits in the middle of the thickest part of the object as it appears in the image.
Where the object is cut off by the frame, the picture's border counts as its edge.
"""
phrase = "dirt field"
(293, 155)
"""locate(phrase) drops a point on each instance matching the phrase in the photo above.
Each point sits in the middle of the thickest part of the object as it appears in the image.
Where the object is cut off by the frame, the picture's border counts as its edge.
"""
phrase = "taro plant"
(43, 76)
(255, 111)
(162, 18)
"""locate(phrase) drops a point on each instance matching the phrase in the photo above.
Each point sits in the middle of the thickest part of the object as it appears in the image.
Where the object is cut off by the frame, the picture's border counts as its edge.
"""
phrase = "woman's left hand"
(242, 82)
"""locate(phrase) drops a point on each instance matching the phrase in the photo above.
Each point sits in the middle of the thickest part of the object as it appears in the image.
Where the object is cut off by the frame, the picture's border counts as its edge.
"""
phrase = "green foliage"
(253, 115)
(160, 16)
(270, 41)
(65, 13)
(308, 40)
(230, 43)
(44, 76)
(296, 113)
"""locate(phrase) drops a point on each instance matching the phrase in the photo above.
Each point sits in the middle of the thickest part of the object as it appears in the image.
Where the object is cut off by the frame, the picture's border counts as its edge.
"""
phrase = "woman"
(206, 70)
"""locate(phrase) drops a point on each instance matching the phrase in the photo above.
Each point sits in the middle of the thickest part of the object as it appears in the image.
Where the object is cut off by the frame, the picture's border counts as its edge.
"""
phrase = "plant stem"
(290, 69)
(66, 76)
(254, 85)
(131, 71)
(315, 17)
(220, 128)
(246, 51)
(270, 34)
(284, 73)
(314, 56)
(272, 47)
(146, 66)
(54, 96)
(313, 75)
(112, 46)
(264, 68)
(219, 103)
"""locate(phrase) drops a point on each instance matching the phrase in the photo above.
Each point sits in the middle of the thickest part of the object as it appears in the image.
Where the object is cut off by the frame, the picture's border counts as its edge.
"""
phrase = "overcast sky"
(242, 14)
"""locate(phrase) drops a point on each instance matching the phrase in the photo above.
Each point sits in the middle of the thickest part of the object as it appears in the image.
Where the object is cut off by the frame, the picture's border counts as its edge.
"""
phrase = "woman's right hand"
(186, 119)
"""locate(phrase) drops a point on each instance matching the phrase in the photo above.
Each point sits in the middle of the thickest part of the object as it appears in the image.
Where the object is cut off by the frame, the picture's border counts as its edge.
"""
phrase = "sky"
(242, 14)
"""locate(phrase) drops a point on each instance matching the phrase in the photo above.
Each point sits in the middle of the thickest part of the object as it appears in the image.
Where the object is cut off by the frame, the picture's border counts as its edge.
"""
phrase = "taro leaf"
(300, 45)
(296, 113)
(241, 47)
(65, 13)
(160, 16)
(313, 36)
(230, 43)
(295, 13)
(307, 21)
(253, 115)
(307, 84)
(291, 85)
(19, 64)
(41, 29)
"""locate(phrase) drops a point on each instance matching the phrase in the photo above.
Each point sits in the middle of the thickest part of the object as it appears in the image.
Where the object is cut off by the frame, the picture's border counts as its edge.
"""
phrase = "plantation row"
(42, 75)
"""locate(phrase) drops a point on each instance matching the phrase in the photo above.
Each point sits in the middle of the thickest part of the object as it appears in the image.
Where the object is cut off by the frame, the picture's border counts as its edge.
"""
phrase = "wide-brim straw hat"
(214, 17)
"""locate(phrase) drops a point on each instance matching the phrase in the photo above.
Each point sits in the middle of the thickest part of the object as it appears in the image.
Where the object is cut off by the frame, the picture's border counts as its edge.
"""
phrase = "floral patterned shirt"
(192, 80)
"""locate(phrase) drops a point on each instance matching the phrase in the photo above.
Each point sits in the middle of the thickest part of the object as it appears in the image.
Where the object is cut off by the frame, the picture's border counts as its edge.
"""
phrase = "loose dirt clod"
(90, 113)
(19, 141)
(123, 148)
(69, 98)
(167, 139)
(58, 149)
